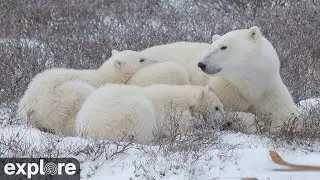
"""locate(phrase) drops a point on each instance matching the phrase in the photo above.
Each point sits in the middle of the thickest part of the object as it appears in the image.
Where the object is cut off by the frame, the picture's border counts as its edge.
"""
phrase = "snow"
(309, 103)
(248, 158)
(235, 155)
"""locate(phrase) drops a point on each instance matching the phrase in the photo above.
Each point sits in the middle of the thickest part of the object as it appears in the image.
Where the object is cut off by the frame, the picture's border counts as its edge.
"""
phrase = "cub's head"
(127, 63)
(209, 106)
(240, 52)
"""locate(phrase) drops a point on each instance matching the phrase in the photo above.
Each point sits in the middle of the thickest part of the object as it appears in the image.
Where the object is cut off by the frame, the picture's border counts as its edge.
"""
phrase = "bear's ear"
(254, 32)
(113, 52)
(215, 37)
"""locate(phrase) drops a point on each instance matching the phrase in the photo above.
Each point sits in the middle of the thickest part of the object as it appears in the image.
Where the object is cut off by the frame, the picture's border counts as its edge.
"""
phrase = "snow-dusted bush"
(80, 34)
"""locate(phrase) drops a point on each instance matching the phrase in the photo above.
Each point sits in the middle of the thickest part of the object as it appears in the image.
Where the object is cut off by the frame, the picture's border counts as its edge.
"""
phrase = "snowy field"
(240, 156)
(234, 156)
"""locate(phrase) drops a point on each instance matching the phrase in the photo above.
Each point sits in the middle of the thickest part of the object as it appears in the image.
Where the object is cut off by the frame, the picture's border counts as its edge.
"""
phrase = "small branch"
(276, 158)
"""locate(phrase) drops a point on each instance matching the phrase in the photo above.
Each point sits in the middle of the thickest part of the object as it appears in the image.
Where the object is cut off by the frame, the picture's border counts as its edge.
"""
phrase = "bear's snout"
(202, 66)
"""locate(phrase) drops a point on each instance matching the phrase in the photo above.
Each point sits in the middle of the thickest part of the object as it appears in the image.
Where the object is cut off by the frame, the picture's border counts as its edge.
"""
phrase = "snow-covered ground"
(244, 156)
(309, 103)
(234, 156)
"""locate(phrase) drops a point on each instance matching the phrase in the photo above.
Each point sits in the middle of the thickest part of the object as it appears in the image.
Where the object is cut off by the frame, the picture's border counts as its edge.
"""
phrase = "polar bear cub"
(54, 96)
(116, 111)
(161, 73)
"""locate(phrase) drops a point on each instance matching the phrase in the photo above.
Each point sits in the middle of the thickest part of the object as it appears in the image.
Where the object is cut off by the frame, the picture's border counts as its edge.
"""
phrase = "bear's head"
(127, 63)
(240, 53)
(209, 106)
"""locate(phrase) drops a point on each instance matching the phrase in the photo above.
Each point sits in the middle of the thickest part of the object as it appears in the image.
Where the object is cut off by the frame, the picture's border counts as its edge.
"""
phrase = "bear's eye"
(141, 60)
(216, 108)
(223, 48)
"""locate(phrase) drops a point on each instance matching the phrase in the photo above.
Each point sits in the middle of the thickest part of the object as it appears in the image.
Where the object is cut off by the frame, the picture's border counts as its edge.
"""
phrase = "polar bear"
(167, 72)
(249, 61)
(186, 54)
(54, 96)
(243, 121)
(114, 112)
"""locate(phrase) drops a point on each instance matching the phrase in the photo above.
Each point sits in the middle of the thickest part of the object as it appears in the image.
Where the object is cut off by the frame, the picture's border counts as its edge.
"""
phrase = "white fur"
(116, 111)
(228, 93)
(246, 120)
(186, 54)
(251, 64)
(54, 96)
(161, 73)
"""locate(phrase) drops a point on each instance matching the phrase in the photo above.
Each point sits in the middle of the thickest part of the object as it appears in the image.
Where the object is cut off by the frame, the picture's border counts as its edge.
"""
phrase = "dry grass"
(36, 35)
(303, 132)
(300, 132)
(177, 150)
(27, 142)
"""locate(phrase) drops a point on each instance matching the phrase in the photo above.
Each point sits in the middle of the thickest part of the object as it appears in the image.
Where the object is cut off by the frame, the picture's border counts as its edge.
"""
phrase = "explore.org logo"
(40, 168)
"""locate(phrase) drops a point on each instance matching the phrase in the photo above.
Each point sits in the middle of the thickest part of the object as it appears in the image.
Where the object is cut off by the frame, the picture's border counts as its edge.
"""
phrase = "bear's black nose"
(201, 65)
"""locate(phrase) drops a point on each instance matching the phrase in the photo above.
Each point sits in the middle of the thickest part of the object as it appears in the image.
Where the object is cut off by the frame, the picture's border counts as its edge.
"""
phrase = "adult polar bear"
(249, 61)
(252, 83)
(54, 97)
